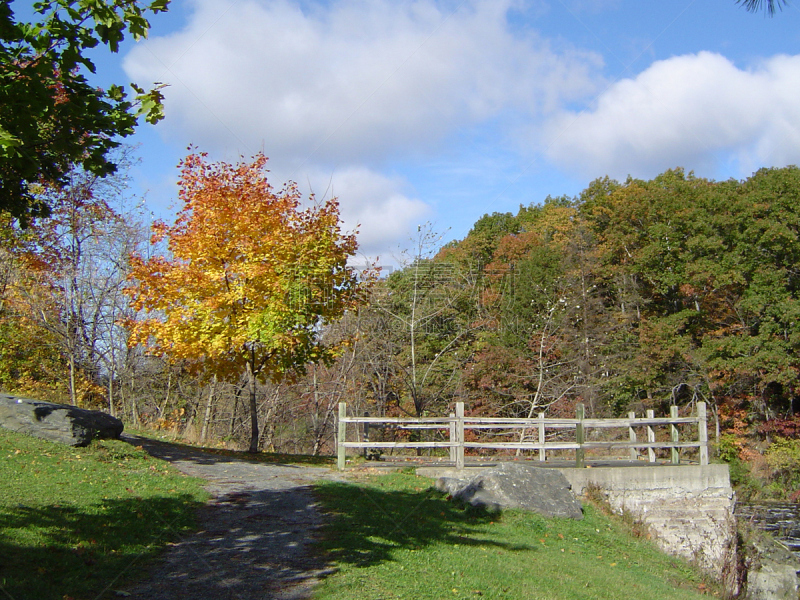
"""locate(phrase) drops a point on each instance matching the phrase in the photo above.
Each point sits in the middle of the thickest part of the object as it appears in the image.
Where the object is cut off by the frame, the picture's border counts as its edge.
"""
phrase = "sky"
(440, 111)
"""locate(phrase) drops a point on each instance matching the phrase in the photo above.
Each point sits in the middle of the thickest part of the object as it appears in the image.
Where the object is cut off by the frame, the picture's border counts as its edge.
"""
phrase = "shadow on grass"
(370, 524)
(171, 451)
(60, 552)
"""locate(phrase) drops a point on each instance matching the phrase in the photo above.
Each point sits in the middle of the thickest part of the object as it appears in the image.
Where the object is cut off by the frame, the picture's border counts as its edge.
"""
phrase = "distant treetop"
(51, 117)
(768, 5)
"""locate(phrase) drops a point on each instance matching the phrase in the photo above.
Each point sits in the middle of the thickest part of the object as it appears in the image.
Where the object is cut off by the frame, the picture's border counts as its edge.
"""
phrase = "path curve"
(254, 536)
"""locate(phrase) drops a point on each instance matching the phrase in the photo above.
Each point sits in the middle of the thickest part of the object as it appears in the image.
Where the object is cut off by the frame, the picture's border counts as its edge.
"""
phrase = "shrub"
(783, 458)
(743, 479)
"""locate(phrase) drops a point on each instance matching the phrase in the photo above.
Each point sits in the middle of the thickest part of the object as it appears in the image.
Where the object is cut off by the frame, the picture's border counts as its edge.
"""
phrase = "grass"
(394, 536)
(74, 522)
(260, 457)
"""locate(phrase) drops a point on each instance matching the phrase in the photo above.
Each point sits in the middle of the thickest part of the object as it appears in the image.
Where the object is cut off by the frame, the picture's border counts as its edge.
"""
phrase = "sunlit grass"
(393, 536)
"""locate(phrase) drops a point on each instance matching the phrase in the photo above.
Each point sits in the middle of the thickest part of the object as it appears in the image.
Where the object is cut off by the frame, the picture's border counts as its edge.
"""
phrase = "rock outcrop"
(687, 509)
(511, 485)
(771, 570)
(57, 422)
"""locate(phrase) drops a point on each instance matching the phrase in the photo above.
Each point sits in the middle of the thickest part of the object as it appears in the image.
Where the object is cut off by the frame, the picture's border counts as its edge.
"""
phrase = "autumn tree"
(251, 279)
(63, 279)
(430, 304)
(82, 250)
(31, 369)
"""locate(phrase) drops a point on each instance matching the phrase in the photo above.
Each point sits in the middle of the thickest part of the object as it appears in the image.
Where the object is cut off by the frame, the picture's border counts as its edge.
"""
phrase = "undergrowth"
(773, 474)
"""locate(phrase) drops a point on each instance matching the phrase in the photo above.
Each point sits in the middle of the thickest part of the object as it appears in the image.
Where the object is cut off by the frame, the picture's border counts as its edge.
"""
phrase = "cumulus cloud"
(378, 206)
(685, 111)
(344, 86)
(353, 79)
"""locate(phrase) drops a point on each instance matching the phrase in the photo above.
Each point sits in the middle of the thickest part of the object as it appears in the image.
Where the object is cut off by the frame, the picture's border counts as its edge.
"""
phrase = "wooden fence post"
(542, 456)
(460, 435)
(632, 436)
(674, 436)
(702, 431)
(651, 437)
(579, 456)
(341, 438)
(453, 439)
(366, 436)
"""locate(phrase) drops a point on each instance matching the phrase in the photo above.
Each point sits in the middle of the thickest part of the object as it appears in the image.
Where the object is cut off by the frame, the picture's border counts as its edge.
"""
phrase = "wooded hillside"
(633, 295)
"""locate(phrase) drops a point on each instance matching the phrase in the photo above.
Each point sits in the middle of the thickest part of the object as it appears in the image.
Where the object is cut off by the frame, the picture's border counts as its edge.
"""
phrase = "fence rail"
(456, 424)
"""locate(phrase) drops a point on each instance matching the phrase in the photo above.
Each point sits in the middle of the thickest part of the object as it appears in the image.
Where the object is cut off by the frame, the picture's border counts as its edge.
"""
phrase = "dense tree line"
(642, 293)
(631, 296)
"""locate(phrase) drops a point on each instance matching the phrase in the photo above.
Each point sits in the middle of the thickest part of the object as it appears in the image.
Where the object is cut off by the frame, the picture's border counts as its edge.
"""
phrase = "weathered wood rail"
(456, 424)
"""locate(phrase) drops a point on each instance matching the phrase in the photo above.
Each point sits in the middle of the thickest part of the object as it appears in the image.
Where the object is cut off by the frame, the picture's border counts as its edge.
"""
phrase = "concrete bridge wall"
(688, 509)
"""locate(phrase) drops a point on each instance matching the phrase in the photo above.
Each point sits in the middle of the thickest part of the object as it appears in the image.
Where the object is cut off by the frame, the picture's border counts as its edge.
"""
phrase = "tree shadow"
(173, 451)
(254, 543)
(368, 524)
(75, 552)
(250, 544)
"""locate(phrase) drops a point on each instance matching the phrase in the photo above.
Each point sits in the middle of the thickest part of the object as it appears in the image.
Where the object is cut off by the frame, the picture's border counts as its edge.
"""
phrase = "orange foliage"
(252, 275)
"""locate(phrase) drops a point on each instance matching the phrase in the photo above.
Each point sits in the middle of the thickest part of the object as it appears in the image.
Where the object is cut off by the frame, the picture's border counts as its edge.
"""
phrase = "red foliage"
(785, 428)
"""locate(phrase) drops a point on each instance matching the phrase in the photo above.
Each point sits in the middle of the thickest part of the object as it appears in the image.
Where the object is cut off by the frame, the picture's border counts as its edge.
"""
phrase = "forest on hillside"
(631, 296)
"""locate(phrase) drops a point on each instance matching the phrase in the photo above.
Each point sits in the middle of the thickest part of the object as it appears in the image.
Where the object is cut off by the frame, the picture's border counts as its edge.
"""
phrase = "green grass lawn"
(75, 522)
(394, 536)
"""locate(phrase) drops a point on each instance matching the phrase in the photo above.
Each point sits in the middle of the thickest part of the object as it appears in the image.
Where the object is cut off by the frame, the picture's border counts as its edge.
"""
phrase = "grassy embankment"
(74, 522)
(394, 536)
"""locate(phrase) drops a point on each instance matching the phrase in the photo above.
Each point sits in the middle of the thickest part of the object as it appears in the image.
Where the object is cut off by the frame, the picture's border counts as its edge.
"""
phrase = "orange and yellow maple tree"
(251, 278)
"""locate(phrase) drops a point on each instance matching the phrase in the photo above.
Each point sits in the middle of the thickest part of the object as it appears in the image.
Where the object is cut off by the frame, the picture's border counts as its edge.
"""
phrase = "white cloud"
(376, 205)
(685, 111)
(346, 85)
(352, 80)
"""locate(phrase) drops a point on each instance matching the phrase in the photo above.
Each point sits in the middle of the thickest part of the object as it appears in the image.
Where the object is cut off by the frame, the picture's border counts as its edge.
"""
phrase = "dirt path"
(253, 542)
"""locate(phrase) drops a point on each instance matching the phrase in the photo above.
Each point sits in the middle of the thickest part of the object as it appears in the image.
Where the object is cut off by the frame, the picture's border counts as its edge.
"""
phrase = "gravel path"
(253, 542)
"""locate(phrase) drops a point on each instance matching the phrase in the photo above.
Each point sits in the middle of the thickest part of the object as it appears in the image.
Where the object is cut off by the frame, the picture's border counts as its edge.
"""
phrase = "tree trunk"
(72, 395)
(236, 396)
(111, 395)
(207, 413)
(253, 411)
(134, 407)
(162, 409)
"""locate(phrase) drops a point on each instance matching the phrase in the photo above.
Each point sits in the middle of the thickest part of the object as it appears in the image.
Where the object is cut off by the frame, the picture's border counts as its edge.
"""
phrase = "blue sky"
(442, 111)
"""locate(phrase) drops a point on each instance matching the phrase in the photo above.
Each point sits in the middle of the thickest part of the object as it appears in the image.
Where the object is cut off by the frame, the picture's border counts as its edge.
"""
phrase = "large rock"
(772, 571)
(57, 422)
(513, 485)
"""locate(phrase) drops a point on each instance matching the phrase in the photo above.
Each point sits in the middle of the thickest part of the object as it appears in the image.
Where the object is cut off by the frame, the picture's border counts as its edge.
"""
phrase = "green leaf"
(116, 92)
(158, 6)
(7, 140)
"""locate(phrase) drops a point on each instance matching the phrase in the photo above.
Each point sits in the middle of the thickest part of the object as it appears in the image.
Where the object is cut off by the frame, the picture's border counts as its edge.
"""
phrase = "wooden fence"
(456, 424)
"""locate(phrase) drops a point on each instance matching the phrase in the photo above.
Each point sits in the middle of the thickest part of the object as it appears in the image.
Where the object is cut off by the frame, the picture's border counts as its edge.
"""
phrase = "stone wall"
(688, 509)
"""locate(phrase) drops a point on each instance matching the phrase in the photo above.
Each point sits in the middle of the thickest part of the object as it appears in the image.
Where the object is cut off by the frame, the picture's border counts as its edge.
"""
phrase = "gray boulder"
(513, 485)
(57, 422)
(772, 570)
